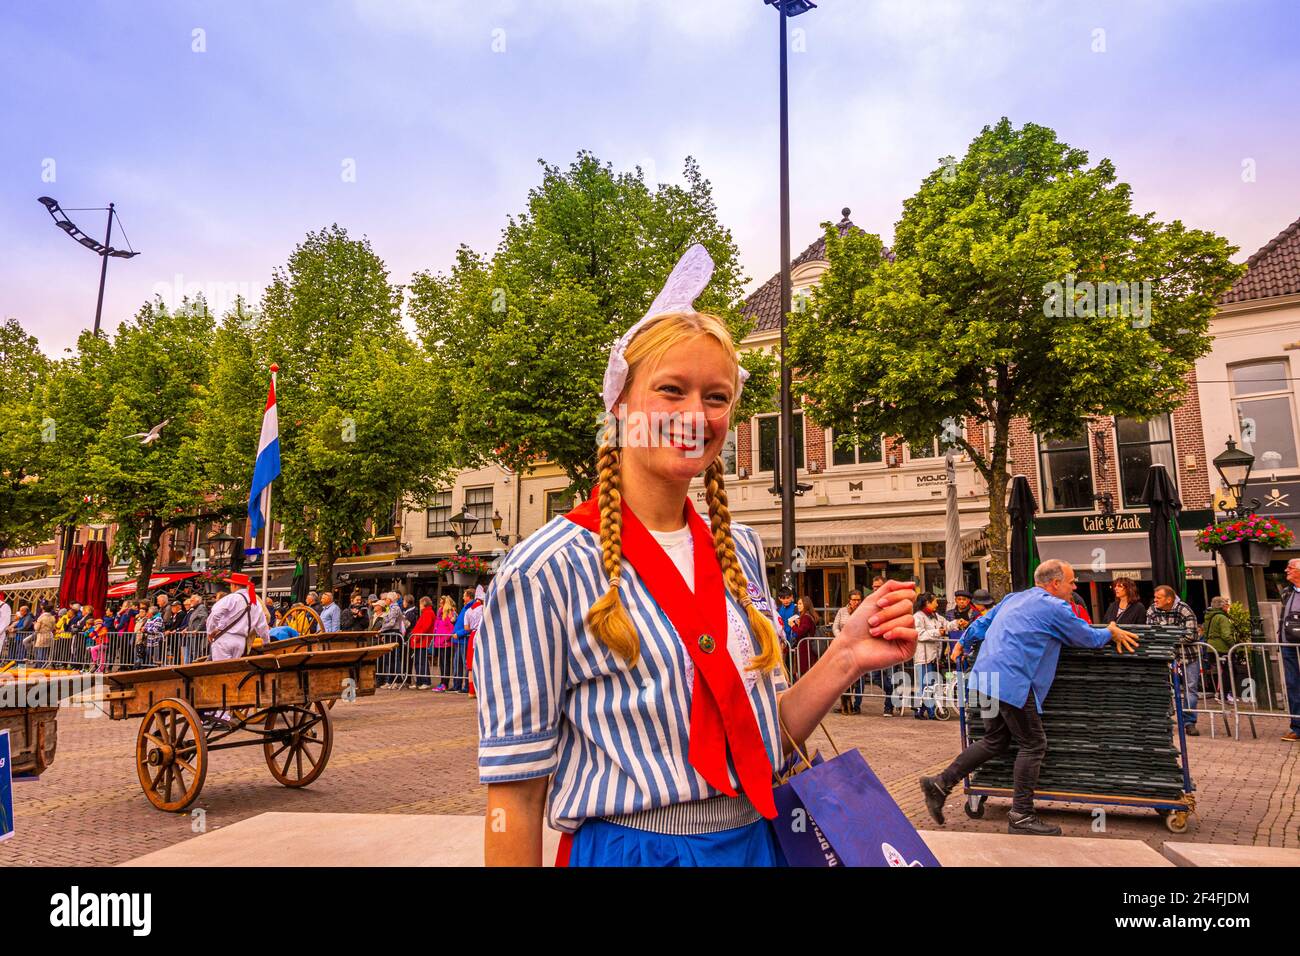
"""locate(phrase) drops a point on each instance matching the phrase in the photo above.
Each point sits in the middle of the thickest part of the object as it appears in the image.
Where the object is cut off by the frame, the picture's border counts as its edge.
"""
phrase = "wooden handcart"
(33, 727)
(279, 701)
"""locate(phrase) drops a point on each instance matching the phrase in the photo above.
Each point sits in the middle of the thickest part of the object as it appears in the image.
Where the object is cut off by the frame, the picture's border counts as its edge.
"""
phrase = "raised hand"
(882, 632)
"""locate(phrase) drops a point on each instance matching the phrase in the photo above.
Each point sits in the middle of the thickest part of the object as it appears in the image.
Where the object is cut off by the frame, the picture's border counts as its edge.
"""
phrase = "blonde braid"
(725, 547)
(608, 619)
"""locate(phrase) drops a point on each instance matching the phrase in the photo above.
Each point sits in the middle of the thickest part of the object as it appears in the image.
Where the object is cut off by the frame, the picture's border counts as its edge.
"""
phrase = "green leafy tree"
(361, 426)
(28, 505)
(523, 336)
(990, 309)
(152, 372)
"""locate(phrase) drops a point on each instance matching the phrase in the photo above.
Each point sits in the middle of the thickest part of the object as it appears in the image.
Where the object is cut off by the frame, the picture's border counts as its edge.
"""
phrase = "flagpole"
(266, 536)
(266, 540)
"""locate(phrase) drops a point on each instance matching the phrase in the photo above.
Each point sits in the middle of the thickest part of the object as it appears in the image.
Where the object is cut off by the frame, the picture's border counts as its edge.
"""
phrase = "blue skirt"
(601, 843)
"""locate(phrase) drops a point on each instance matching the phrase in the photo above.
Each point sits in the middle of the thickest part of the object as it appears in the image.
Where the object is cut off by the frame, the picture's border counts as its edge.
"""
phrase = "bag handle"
(802, 754)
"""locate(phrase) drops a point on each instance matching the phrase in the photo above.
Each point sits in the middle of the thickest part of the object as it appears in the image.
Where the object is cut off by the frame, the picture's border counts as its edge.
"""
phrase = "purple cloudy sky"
(221, 160)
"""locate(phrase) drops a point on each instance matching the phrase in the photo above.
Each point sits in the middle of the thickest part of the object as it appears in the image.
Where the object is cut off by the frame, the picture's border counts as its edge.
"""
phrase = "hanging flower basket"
(1245, 542)
(462, 570)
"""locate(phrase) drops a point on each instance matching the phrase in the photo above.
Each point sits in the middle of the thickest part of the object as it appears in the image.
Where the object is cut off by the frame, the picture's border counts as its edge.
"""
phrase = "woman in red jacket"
(421, 636)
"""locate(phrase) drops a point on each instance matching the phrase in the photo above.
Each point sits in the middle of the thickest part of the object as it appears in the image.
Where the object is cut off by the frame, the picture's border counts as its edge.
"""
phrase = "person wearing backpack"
(1220, 636)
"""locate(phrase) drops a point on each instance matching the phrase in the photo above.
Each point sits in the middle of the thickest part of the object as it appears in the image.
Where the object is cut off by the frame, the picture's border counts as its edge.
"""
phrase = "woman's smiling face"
(676, 413)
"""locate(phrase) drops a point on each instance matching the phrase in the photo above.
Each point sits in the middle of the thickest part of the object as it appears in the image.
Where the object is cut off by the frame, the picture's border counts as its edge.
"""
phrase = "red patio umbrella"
(97, 577)
(68, 582)
(81, 583)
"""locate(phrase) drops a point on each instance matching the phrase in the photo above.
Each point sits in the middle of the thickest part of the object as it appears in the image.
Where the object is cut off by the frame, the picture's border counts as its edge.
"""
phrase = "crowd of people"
(902, 688)
(172, 627)
(939, 626)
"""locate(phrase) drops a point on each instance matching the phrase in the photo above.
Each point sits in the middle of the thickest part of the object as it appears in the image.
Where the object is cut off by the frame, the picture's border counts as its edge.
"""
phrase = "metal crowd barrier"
(406, 666)
(419, 667)
(906, 686)
(1203, 676)
(121, 650)
(1257, 670)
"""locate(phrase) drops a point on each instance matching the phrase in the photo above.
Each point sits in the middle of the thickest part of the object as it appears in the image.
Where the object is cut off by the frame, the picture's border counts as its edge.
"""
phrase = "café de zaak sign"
(1111, 524)
(1133, 522)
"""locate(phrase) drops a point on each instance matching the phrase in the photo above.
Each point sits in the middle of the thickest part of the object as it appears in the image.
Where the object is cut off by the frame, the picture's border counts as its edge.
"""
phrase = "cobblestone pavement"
(413, 752)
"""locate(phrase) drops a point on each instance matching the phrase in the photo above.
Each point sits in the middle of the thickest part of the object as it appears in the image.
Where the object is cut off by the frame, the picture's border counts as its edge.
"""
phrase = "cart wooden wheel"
(304, 620)
(975, 806)
(1176, 822)
(249, 716)
(171, 755)
(305, 738)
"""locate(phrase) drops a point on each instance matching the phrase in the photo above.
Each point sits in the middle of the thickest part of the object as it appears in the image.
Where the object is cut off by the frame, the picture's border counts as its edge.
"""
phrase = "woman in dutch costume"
(627, 664)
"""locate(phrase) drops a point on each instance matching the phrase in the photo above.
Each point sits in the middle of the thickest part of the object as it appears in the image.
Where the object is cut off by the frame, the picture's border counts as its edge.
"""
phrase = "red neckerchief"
(721, 715)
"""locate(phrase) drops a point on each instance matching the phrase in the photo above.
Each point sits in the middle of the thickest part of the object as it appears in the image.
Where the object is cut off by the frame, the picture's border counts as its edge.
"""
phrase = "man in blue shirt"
(330, 615)
(1022, 636)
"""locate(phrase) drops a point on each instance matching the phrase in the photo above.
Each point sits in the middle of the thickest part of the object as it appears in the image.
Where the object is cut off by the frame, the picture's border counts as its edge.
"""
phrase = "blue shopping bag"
(837, 813)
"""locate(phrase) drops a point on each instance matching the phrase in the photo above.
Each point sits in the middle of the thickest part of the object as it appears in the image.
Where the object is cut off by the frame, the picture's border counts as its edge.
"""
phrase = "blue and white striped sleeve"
(519, 655)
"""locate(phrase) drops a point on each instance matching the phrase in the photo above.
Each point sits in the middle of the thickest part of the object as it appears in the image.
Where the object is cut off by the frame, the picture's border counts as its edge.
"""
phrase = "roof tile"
(1272, 271)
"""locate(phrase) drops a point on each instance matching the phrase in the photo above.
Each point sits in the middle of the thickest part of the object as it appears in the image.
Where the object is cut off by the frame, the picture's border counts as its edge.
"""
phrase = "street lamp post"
(787, 8)
(222, 546)
(497, 521)
(1234, 465)
(102, 249)
(463, 525)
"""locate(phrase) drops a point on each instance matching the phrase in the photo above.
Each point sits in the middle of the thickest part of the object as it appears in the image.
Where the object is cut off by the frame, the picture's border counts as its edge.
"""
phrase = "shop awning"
(156, 581)
(9, 571)
(1101, 558)
(50, 583)
(903, 529)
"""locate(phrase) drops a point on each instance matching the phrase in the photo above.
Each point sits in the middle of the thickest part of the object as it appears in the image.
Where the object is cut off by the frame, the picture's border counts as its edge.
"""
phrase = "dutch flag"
(267, 467)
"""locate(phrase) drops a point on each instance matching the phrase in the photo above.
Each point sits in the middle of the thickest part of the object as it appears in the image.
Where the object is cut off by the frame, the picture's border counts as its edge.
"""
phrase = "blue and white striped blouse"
(552, 699)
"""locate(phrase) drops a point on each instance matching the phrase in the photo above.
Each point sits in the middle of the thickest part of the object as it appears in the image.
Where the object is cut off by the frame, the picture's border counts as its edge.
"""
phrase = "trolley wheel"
(302, 740)
(1175, 822)
(171, 755)
(974, 806)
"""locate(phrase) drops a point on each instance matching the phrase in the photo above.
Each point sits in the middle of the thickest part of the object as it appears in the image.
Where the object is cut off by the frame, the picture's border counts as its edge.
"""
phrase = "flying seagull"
(151, 436)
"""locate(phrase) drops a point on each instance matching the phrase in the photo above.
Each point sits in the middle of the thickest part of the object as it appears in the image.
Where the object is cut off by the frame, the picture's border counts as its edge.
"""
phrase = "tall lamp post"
(1233, 465)
(787, 8)
(101, 249)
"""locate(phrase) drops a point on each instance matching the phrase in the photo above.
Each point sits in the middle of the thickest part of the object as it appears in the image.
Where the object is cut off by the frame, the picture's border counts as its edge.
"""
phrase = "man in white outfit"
(233, 622)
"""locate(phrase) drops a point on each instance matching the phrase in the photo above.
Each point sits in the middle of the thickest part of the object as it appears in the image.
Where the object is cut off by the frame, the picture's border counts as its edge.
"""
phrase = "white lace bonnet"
(685, 283)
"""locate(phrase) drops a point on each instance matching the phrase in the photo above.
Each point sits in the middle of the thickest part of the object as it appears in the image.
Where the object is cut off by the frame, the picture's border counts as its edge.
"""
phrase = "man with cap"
(961, 612)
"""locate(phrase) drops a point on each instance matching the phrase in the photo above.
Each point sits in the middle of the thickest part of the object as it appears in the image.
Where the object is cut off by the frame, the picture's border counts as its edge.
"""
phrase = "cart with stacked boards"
(1114, 725)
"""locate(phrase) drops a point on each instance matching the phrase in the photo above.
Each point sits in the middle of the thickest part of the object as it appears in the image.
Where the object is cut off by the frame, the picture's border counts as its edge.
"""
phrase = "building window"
(437, 514)
(478, 502)
(1262, 396)
(1065, 466)
(558, 503)
(768, 428)
(938, 446)
(1141, 445)
(870, 453)
(728, 454)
